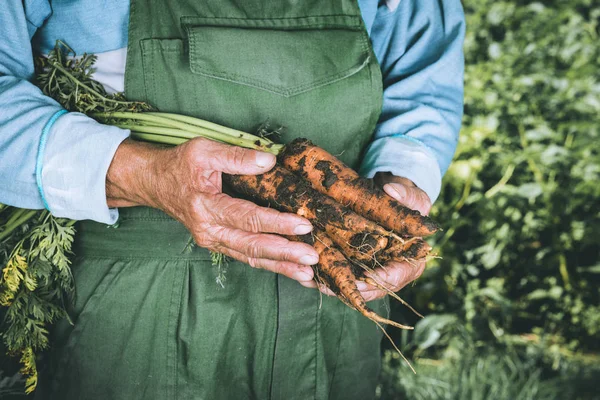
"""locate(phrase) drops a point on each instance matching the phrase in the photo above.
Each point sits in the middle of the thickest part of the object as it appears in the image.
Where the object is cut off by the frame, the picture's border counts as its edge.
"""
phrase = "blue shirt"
(63, 164)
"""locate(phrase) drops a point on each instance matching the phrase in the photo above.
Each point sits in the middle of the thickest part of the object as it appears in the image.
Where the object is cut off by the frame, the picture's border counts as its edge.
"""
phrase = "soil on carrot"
(329, 177)
(363, 240)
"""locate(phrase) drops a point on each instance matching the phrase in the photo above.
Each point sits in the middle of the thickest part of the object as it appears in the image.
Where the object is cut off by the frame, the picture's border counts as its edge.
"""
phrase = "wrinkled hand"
(185, 182)
(395, 275)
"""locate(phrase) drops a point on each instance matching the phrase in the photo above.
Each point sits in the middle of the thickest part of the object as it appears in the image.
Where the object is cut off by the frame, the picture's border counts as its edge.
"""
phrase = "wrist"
(130, 177)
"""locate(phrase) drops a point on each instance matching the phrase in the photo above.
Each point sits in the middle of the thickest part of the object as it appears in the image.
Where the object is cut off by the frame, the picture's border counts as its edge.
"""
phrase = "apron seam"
(130, 56)
(175, 306)
(317, 331)
(275, 337)
(270, 18)
(339, 349)
(143, 258)
(155, 219)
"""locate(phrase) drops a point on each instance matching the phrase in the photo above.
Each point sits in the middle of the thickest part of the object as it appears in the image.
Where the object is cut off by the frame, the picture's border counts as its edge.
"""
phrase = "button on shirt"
(61, 163)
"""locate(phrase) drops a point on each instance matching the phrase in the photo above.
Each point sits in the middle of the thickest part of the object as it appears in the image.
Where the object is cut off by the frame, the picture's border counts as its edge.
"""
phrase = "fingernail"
(308, 260)
(264, 160)
(360, 285)
(399, 190)
(302, 275)
(302, 229)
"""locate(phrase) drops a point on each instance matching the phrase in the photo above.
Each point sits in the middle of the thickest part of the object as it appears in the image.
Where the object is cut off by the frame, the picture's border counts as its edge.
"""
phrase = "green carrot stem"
(24, 216)
(161, 139)
(215, 127)
(15, 215)
(181, 134)
(86, 87)
(159, 130)
(215, 132)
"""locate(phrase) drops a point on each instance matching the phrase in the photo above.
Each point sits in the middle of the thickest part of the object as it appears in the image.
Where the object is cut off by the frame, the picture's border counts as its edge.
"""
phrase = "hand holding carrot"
(185, 182)
(397, 275)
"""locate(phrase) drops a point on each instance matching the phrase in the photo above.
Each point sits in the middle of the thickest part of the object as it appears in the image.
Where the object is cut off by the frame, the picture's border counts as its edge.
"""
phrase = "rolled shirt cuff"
(406, 157)
(77, 154)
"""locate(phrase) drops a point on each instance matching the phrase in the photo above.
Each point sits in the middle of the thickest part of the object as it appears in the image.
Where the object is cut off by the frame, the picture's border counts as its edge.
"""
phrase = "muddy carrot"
(330, 176)
(287, 192)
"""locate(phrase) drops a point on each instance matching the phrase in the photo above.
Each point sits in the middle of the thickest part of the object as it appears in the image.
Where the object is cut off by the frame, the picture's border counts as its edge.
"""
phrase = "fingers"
(321, 287)
(395, 276)
(410, 196)
(375, 294)
(300, 273)
(247, 216)
(257, 245)
(216, 156)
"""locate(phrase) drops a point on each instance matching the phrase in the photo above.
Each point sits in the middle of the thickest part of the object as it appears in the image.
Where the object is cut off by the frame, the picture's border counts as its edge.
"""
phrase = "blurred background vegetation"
(512, 306)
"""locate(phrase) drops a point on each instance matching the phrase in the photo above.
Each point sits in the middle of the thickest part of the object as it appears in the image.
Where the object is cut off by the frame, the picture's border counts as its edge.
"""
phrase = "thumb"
(236, 160)
(411, 197)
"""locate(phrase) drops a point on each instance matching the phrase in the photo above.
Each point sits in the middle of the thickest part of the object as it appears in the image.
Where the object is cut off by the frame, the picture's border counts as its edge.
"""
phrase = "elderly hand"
(395, 275)
(185, 182)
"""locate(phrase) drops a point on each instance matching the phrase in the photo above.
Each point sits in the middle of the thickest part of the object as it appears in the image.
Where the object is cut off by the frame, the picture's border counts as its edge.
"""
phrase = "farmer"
(378, 83)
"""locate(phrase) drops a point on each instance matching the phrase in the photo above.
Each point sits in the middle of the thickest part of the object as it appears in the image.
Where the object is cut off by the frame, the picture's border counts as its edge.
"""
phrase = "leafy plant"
(520, 255)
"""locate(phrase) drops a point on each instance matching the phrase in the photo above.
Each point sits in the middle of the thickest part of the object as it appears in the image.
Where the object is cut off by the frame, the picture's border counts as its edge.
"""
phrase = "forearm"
(420, 52)
(48, 161)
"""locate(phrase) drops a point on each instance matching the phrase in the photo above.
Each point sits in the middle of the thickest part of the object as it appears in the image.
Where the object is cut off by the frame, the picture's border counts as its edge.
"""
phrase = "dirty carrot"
(361, 246)
(330, 176)
(335, 271)
(287, 192)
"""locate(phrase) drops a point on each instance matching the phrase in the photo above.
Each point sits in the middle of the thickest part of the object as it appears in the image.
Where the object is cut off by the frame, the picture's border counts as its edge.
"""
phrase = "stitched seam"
(189, 19)
(316, 344)
(339, 348)
(171, 335)
(146, 67)
(158, 219)
(236, 78)
(146, 258)
(130, 56)
(40, 154)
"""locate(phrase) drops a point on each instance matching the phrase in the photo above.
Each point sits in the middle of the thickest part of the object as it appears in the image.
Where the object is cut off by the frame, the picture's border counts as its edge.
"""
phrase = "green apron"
(150, 320)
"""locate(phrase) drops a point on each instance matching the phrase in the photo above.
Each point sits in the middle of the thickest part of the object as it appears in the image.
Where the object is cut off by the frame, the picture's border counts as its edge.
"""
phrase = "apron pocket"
(282, 56)
(315, 76)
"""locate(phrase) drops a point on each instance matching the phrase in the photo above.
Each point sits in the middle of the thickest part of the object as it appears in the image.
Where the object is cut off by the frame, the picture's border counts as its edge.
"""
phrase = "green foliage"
(68, 80)
(472, 372)
(520, 254)
(35, 284)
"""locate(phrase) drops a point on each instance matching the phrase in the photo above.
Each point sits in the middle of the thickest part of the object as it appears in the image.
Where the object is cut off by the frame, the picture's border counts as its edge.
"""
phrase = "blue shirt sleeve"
(418, 44)
(75, 155)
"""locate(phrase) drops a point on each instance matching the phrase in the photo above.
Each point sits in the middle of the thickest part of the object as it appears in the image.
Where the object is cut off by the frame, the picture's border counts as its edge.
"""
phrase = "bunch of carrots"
(357, 226)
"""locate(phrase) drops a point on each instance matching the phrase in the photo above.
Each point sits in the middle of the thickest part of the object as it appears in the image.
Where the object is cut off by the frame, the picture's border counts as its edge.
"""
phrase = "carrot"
(288, 192)
(330, 176)
(412, 250)
(335, 271)
(362, 246)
